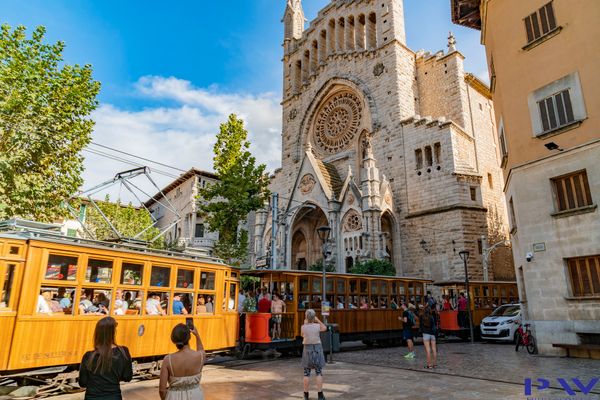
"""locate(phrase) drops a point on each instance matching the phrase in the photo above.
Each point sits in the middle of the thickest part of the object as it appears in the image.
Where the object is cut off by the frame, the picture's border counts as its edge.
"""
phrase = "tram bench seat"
(580, 350)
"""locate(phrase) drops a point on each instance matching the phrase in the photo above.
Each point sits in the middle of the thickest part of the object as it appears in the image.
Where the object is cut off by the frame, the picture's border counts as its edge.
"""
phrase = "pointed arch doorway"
(306, 245)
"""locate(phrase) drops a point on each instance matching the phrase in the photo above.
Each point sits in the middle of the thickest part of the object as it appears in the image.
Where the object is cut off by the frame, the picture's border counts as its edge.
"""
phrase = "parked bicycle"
(524, 338)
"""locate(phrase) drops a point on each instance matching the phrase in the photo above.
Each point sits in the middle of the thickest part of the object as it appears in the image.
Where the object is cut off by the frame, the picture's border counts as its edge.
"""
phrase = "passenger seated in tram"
(43, 304)
(382, 302)
(102, 302)
(209, 305)
(201, 305)
(120, 304)
(85, 303)
(153, 306)
(363, 304)
(178, 307)
(339, 303)
(393, 303)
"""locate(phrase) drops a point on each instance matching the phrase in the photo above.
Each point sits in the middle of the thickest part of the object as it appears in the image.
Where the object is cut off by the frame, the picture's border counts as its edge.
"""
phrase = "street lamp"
(464, 255)
(324, 232)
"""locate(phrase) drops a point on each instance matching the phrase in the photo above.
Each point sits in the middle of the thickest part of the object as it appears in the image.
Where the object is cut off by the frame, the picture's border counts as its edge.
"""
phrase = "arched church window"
(428, 156)
(361, 32)
(372, 32)
(437, 152)
(419, 158)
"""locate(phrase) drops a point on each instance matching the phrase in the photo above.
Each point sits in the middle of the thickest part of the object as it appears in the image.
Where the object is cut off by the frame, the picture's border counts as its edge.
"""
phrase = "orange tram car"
(484, 297)
(54, 289)
(363, 307)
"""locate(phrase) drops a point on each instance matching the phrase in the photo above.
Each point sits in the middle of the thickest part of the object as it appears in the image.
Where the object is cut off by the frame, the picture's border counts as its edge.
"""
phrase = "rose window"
(337, 122)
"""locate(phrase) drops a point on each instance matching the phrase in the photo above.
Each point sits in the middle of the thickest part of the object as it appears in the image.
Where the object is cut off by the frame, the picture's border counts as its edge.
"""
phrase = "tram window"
(99, 271)
(329, 286)
(374, 287)
(340, 286)
(132, 274)
(363, 286)
(394, 287)
(94, 301)
(340, 303)
(486, 291)
(353, 302)
(503, 292)
(185, 278)
(374, 302)
(316, 285)
(14, 250)
(207, 280)
(160, 276)
(495, 291)
(187, 299)
(401, 289)
(229, 301)
(353, 286)
(394, 305)
(46, 303)
(128, 302)
(157, 303)
(303, 302)
(384, 287)
(61, 268)
(419, 289)
(411, 289)
(304, 285)
(205, 305)
(287, 290)
(477, 291)
(7, 285)
(383, 302)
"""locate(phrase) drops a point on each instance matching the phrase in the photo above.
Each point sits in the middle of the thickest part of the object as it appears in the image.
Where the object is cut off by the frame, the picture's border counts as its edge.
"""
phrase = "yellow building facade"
(543, 58)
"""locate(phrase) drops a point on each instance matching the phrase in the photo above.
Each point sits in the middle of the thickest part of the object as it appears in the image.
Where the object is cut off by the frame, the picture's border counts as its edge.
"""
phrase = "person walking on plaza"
(408, 322)
(312, 354)
(182, 370)
(102, 369)
(428, 328)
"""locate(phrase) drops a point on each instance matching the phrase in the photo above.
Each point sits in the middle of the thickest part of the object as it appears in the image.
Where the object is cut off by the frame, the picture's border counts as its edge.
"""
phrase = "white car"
(502, 324)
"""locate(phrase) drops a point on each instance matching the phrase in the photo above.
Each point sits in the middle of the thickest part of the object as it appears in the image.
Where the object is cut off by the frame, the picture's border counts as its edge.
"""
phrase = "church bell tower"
(293, 20)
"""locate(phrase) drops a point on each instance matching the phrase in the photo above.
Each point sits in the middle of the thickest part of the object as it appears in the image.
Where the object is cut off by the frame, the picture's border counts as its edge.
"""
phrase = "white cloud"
(182, 134)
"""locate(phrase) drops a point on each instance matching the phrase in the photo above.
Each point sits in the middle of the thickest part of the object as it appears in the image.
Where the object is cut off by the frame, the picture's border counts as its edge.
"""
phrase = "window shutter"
(529, 29)
(544, 20)
(536, 26)
(568, 106)
(550, 14)
(544, 115)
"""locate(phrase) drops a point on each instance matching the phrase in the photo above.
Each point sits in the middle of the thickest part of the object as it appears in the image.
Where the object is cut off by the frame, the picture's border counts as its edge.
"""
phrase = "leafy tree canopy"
(318, 266)
(241, 189)
(44, 124)
(374, 267)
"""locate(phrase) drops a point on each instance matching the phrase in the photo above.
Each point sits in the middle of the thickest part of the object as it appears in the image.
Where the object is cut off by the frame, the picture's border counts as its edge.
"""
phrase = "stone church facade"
(395, 150)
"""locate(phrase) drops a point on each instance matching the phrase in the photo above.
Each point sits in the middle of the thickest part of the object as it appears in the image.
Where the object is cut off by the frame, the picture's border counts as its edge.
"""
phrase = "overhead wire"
(140, 157)
(130, 162)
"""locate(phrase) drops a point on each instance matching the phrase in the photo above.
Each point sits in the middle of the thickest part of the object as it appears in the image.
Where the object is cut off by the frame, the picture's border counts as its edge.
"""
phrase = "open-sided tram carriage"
(484, 298)
(345, 292)
(46, 322)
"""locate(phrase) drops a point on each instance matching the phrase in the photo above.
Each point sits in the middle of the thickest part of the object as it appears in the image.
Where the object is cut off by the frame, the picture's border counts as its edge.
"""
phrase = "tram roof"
(57, 238)
(257, 272)
(459, 282)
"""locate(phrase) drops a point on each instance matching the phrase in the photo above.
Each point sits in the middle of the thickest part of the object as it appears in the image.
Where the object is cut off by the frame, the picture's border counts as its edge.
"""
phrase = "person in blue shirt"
(178, 307)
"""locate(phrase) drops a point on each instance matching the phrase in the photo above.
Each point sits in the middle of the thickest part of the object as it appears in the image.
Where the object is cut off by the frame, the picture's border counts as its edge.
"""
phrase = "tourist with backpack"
(428, 328)
(408, 322)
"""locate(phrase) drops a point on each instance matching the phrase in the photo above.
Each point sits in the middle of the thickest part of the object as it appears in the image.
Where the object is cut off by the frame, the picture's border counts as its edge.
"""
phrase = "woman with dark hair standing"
(182, 370)
(103, 369)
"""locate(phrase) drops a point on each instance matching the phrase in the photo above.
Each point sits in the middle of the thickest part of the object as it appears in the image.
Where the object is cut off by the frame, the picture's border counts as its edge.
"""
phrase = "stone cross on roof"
(451, 43)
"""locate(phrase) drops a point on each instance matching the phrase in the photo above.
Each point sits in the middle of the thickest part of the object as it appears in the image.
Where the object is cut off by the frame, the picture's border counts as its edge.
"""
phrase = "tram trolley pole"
(324, 232)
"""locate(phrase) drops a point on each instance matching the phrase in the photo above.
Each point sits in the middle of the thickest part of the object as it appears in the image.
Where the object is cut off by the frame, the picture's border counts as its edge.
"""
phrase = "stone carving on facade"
(307, 183)
(378, 69)
(350, 199)
(388, 199)
(337, 122)
(293, 114)
(352, 221)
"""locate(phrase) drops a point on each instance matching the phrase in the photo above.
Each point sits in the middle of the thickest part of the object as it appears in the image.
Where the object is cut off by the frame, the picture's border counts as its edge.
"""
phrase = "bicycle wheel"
(517, 341)
(531, 345)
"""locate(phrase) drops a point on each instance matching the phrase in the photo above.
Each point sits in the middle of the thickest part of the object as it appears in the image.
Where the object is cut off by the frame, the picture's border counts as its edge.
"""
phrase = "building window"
(540, 23)
(490, 181)
(572, 191)
(503, 148)
(428, 156)
(473, 193)
(513, 219)
(479, 246)
(199, 233)
(557, 105)
(584, 273)
(419, 158)
(437, 153)
(556, 111)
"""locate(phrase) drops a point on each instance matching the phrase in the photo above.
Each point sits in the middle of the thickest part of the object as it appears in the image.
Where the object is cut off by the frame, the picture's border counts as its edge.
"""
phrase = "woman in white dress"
(181, 371)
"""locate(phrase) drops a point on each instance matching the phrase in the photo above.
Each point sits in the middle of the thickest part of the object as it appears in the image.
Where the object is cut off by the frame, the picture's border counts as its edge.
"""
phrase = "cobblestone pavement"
(493, 361)
(479, 371)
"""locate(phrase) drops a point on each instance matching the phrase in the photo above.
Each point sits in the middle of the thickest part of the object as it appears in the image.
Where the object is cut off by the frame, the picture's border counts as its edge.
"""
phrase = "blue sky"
(170, 71)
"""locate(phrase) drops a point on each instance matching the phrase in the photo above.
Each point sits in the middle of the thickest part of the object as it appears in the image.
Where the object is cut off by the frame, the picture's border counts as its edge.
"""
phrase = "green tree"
(44, 124)
(374, 267)
(127, 219)
(241, 189)
(318, 267)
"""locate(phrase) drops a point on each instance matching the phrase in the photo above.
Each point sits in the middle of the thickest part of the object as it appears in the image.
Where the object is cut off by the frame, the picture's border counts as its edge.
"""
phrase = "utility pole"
(274, 217)
(484, 253)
